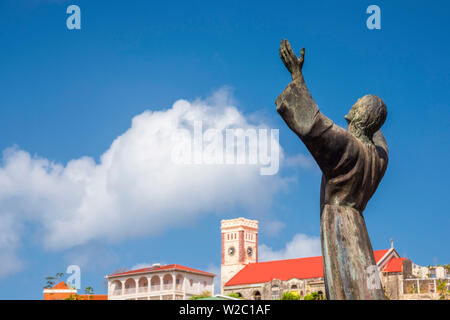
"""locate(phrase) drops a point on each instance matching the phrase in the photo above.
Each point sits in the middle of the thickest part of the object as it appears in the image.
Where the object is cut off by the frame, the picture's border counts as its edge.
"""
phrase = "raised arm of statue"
(326, 141)
(295, 104)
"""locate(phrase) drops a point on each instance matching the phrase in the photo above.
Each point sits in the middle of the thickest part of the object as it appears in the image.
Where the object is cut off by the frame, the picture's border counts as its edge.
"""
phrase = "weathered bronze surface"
(353, 162)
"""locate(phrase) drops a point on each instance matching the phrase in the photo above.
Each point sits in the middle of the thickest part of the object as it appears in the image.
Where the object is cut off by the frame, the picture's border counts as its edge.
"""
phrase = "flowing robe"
(351, 172)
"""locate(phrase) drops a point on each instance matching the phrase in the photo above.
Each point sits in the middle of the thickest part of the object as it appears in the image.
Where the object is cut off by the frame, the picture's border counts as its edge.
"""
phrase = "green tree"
(204, 294)
(441, 286)
(314, 296)
(234, 295)
(290, 295)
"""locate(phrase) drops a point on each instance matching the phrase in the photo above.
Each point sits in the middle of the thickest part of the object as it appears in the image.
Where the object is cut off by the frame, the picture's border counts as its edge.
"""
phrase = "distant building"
(159, 282)
(239, 246)
(62, 292)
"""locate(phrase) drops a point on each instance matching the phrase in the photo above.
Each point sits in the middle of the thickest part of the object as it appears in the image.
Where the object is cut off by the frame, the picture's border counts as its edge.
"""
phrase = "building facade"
(159, 282)
(239, 246)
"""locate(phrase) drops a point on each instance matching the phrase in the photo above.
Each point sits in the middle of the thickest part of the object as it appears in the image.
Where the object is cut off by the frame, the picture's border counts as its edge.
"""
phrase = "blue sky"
(67, 94)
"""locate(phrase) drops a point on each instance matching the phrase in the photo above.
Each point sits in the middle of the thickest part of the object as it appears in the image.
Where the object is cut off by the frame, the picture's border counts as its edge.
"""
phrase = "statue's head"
(366, 116)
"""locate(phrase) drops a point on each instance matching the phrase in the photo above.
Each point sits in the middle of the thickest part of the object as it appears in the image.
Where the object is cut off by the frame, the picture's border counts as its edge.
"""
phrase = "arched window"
(320, 295)
(143, 284)
(130, 286)
(179, 282)
(168, 282)
(155, 283)
(116, 288)
(275, 292)
(256, 295)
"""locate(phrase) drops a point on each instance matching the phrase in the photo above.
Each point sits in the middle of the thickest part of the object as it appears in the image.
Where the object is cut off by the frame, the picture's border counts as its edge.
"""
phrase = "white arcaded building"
(159, 282)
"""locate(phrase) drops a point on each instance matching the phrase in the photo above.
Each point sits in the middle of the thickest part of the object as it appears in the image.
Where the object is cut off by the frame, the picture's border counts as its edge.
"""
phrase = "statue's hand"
(290, 60)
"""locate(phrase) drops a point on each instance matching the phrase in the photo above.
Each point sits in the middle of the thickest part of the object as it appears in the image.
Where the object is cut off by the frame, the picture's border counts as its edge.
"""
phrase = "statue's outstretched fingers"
(285, 58)
(290, 51)
(302, 57)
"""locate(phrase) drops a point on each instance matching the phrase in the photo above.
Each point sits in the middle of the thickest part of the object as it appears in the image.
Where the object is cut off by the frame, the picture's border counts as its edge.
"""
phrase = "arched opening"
(320, 295)
(167, 282)
(143, 284)
(294, 287)
(179, 282)
(256, 295)
(130, 286)
(155, 283)
(239, 294)
(116, 288)
(275, 292)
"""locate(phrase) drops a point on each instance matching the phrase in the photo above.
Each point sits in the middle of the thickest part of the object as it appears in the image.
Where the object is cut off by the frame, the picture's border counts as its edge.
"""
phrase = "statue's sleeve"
(333, 148)
(380, 142)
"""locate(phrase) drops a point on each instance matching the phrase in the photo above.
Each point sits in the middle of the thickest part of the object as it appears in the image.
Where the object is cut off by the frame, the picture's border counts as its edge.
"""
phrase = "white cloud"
(272, 228)
(91, 256)
(9, 243)
(300, 246)
(141, 266)
(300, 160)
(135, 189)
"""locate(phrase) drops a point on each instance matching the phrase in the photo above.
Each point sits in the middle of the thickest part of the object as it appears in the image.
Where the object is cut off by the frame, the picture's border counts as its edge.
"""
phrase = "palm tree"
(52, 280)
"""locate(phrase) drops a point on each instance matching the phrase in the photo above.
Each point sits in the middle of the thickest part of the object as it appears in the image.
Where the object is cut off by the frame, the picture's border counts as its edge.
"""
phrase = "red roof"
(379, 254)
(302, 268)
(394, 265)
(159, 268)
(60, 286)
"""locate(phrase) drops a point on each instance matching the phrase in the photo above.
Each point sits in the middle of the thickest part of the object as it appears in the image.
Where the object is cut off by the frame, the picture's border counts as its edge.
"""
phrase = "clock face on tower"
(249, 251)
(231, 251)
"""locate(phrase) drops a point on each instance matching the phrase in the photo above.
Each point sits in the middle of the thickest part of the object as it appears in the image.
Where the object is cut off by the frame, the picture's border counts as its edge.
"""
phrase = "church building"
(241, 273)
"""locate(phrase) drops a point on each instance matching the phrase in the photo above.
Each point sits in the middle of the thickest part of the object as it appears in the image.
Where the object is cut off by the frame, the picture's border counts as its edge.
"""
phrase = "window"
(275, 292)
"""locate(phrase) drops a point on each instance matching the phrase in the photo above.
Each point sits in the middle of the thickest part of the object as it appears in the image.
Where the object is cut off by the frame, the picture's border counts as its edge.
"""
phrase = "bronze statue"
(353, 162)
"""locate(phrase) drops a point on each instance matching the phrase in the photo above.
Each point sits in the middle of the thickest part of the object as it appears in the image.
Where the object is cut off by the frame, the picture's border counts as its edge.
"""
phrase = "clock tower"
(239, 246)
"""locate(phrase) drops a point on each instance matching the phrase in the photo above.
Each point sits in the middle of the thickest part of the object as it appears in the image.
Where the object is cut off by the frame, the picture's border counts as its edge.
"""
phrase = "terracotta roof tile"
(160, 268)
(302, 268)
(394, 265)
(60, 286)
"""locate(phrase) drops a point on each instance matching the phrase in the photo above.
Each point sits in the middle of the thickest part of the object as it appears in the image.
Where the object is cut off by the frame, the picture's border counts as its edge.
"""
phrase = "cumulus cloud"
(300, 160)
(273, 227)
(91, 256)
(9, 243)
(135, 188)
(300, 246)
